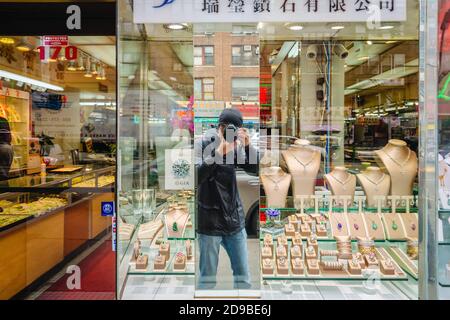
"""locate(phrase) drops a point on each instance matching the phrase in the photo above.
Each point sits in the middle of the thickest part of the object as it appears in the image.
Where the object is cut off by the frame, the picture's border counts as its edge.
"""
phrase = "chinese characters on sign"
(169, 11)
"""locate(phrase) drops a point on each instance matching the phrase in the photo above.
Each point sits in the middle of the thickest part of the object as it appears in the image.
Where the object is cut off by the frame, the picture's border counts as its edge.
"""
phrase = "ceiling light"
(337, 27)
(7, 40)
(295, 27)
(30, 81)
(369, 42)
(24, 46)
(386, 27)
(176, 26)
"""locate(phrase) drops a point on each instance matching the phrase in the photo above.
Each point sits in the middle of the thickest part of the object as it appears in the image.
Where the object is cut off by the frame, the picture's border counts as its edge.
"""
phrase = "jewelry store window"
(333, 111)
(57, 166)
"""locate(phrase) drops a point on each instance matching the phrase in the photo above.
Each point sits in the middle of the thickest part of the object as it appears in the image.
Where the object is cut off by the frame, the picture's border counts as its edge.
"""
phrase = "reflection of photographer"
(221, 219)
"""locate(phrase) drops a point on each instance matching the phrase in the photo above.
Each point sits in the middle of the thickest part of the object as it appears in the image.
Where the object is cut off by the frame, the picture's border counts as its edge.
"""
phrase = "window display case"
(55, 213)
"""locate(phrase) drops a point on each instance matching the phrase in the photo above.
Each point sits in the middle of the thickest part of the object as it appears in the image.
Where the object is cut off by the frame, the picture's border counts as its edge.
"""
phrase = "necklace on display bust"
(400, 164)
(376, 183)
(343, 183)
(276, 182)
(303, 164)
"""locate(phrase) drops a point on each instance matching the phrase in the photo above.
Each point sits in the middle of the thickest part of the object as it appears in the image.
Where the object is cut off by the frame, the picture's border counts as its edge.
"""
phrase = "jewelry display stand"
(373, 221)
(356, 223)
(374, 183)
(393, 223)
(276, 185)
(303, 163)
(402, 164)
(341, 183)
(410, 220)
(338, 221)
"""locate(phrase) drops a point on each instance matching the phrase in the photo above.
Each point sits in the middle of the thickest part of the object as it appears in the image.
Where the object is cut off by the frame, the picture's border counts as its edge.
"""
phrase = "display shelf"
(152, 252)
(344, 276)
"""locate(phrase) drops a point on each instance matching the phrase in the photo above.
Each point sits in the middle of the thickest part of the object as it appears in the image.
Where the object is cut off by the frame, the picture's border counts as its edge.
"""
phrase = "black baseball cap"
(231, 116)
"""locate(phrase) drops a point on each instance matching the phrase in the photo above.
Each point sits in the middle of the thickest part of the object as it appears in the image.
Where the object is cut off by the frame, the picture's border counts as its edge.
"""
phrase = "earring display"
(387, 267)
(283, 241)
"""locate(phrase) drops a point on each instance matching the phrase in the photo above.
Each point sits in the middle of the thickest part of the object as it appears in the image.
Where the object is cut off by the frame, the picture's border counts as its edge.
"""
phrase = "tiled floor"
(177, 288)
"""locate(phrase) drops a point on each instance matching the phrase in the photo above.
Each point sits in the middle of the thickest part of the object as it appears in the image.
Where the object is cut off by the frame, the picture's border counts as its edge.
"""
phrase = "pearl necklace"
(301, 163)
(401, 165)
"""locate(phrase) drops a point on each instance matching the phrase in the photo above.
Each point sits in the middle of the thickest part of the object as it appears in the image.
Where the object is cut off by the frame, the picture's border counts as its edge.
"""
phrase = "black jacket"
(220, 210)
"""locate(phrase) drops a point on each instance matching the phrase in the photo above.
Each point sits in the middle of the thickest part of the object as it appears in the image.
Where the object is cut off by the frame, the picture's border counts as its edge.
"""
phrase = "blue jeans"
(236, 247)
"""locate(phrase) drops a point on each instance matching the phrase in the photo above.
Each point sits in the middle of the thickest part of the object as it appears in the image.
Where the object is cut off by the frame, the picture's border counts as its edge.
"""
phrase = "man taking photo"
(221, 217)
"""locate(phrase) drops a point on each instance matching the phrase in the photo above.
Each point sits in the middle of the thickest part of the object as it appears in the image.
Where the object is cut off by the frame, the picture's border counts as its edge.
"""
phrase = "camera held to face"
(230, 133)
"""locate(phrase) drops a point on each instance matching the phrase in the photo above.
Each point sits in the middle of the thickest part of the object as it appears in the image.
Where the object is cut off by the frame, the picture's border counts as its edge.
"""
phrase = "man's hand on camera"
(243, 136)
(224, 147)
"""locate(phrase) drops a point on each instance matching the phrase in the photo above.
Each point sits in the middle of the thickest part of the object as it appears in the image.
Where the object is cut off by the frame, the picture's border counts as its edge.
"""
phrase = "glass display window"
(57, 165)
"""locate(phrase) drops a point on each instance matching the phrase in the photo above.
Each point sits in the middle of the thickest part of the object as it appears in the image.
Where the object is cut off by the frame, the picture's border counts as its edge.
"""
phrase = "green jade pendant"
(394, 226)
(175, 227)
(374, 225)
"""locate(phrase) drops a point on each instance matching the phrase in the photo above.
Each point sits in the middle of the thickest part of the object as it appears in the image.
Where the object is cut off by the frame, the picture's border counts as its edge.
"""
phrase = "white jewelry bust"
(303, 162)
(276, 184)
(341, 182)
(374, 183)
(401, 163)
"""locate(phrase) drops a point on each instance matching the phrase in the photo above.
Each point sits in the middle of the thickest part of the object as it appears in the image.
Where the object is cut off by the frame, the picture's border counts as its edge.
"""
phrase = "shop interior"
(58, 106)
(337, 132)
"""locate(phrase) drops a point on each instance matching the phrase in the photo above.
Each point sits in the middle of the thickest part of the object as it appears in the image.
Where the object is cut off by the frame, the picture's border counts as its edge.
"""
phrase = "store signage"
(107, 209)
(179, 169)
(223, 11)
(86, 18)
(19, 94)
(55, 41)
(53, 47)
